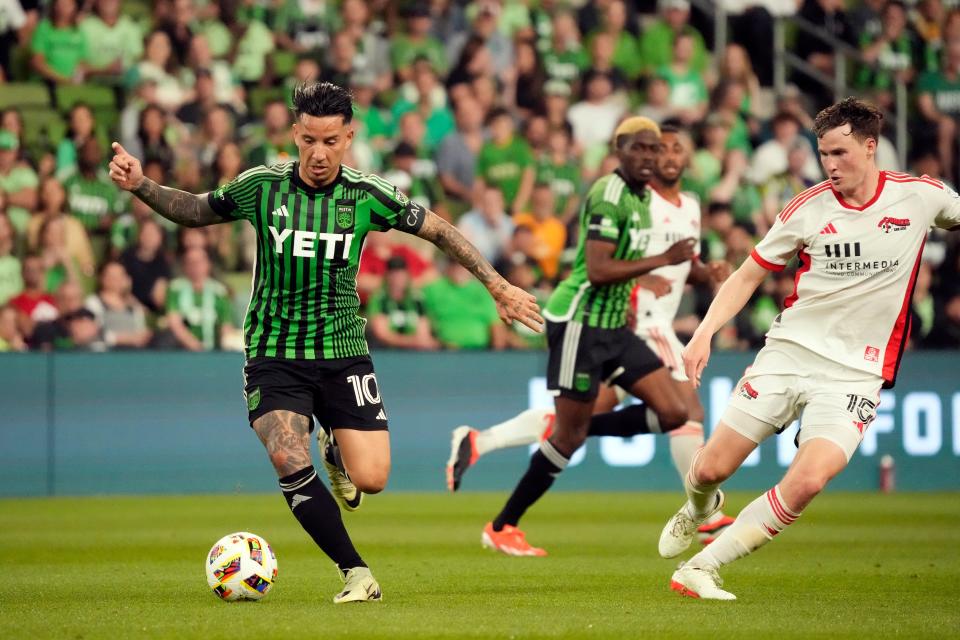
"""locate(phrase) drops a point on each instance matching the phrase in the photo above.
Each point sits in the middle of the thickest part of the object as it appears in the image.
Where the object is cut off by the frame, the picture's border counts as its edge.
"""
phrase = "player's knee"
(710, 470)
(567, 443)
(673, 416)
(371, 480)
(808, 487)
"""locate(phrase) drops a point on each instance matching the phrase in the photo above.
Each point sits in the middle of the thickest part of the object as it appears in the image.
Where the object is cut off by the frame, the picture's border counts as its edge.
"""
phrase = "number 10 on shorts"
(365, 389)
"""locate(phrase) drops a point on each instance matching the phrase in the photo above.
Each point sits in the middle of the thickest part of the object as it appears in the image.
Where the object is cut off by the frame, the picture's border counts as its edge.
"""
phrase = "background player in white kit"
(859, 237)
(655, 300)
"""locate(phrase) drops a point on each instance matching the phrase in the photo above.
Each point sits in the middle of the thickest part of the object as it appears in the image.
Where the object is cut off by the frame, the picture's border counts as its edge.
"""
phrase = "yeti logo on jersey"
(893, 224)
(306, 244)
(344, 215)
(639, 239)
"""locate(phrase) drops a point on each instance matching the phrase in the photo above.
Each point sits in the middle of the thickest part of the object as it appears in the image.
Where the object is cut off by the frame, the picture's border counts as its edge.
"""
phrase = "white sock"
(701, 498)
(684, 443)
(523, 429)
(756, 525)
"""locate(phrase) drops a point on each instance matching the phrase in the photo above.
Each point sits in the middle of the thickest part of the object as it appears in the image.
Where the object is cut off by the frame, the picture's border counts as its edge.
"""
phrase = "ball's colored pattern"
(241, 566)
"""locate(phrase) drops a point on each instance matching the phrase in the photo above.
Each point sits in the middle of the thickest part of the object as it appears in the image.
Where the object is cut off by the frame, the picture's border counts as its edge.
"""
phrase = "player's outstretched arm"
(603, 268)
(733, 294)
(513, 303)
(188, 209)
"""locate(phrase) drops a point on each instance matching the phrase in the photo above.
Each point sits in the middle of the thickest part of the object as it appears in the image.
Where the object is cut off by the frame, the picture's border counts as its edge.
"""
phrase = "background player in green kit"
(305, 346)
(587, 331)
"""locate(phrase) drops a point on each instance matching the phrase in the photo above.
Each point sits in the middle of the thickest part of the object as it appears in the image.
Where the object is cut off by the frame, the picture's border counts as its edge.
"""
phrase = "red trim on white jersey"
(769, 266)
(801, 198)
(901, 328)
(906, 177)
(805, 263)
(876, 195)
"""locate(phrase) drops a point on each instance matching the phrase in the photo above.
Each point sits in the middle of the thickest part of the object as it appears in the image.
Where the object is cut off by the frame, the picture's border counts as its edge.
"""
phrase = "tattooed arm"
(513, 303)
(188, 209)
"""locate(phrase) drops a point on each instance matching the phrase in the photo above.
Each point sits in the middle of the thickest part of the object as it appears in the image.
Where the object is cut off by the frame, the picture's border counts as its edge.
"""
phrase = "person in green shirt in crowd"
(115, 41)
(893, 53)
(626, 49)
(92, 196)
(688, 91)
(60, 49)
(656, 41)
(506, 162)
(11, 279)
(425, 94)
(126, 228)
(565, 59)
(420, 174)
(559, 168)
(938, 101)
(199, 312)
(277, 143)
(461, 312)
(18, 182)
(396, 314)
(415, 42)
(254, 41)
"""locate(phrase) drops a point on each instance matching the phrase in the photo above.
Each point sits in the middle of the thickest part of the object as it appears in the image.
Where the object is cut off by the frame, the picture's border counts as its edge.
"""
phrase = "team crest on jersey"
(253, 399)
(218, 194)
(748, 392)
(400, 196)
(582, 382)
(889, 224)
(345, 213)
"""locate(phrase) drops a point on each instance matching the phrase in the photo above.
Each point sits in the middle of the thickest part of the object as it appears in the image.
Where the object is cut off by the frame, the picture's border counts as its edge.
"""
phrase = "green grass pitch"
(854, 566)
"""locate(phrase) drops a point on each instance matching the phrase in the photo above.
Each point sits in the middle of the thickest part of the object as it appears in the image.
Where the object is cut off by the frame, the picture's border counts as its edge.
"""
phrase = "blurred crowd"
(496, 114)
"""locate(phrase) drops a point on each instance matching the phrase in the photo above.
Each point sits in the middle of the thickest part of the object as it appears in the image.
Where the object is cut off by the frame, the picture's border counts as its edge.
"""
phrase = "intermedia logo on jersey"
(889, 224)
(871, 354)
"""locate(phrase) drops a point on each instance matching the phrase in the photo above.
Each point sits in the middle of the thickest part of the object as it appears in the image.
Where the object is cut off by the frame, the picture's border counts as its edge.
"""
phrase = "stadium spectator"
(594, 118)
(226, 90)
(688, 89)
(658, 40)
(505, 161)
(461, 312)
(277, 144)
(770, 158)
(892, 54)
(559, 168)
(565, 59)
(416, 177)
(60, 265)
(125, 228)
(830, 16)
(416, 41)
(456, 157)
(191, 113)
(120, 318)
(735, 66)
(425, 95)
(485, 26)
(17, 181)
(341, 60)
(929, 22)
(473, 61)
(177, 23)
(396, 314)
(487, 226)
(33, 303)
(549, 233)
(10, 337)
(355, 16)
(557, 101)
(726, 102)
(53, 205)
(371, 124)
(254, 42)
(92, 197)
(80, 128)
(151, 137)
(148, 267)
(160, 67)
(60, 49)
(618, 45)
(778, 190)
(12, 19)
(302, 27)
(199, 313)
(11, 280)
(938, 100)
(526, 92)
(68, 329)
(715, 169)
(115, 41)
(378, 248)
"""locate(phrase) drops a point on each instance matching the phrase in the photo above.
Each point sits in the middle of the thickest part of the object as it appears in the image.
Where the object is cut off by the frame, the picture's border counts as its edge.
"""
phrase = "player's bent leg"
(661, 394)
(546, 464)
(817, 462)
(366, 457)
(723, 454)
(342, 487)
(286, 436)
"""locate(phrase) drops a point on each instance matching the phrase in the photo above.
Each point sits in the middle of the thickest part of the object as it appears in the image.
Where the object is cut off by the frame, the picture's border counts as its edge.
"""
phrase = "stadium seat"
(96, 96)
(24, 94)
(260, 96)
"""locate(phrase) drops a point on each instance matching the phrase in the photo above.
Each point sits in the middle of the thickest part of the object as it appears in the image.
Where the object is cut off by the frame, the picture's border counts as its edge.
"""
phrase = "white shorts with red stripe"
(665, 343)
(837, 402)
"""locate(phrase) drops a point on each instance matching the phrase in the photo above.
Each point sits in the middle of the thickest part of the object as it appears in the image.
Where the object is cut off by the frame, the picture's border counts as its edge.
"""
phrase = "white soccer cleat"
(341, 486)
(681, 529)
(696, 582)
(359, 585)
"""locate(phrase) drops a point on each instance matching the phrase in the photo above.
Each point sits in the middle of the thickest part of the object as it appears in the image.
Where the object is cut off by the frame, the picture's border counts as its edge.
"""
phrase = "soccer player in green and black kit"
(306, 352)
(587, 332)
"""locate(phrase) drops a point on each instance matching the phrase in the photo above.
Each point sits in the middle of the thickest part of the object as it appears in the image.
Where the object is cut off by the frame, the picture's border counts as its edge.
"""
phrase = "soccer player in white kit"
(859, 236)
(655, 300)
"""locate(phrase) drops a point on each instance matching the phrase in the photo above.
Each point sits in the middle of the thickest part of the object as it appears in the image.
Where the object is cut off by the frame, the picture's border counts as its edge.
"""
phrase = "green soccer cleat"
(341, 486)
(359, 585)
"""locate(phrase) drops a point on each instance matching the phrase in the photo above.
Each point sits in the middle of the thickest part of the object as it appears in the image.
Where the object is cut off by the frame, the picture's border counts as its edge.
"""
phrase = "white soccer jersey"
(858, 266)
(671, 222)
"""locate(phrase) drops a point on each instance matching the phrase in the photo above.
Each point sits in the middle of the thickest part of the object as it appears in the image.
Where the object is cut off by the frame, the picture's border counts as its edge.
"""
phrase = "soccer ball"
(241, 566)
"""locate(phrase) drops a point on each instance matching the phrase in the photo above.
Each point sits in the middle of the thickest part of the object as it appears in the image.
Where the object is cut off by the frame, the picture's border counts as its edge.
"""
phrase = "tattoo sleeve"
(188, 209)
(449, 240)
(286, 436)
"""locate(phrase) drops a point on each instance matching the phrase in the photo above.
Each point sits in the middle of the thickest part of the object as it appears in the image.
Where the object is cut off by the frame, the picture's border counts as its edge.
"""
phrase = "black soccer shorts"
(582, 356)
(341, 393)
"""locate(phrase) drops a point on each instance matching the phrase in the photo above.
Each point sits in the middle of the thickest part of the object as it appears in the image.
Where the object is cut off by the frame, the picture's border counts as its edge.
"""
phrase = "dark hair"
(864, 119)
(321, 99)
(496, 113)
(716, 206)
(669, 127)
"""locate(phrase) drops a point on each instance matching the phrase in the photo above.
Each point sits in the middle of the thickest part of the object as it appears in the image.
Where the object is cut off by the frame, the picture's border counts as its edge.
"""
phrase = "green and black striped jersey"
(615, 213)
(304, 303)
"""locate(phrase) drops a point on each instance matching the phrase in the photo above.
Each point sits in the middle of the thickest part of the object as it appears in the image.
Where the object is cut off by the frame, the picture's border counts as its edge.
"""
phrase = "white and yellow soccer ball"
(241, 566)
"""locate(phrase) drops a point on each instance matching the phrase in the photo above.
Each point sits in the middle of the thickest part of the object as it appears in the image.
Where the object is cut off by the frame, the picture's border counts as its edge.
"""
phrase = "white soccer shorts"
(665, 343)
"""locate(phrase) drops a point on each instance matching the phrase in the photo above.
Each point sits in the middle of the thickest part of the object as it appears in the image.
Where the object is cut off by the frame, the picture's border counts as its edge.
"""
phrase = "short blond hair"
(635, 124)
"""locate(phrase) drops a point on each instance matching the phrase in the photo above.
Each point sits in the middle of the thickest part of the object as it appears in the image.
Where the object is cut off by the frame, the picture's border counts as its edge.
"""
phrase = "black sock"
(319, 515)
(535, 482)
(626, 423)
